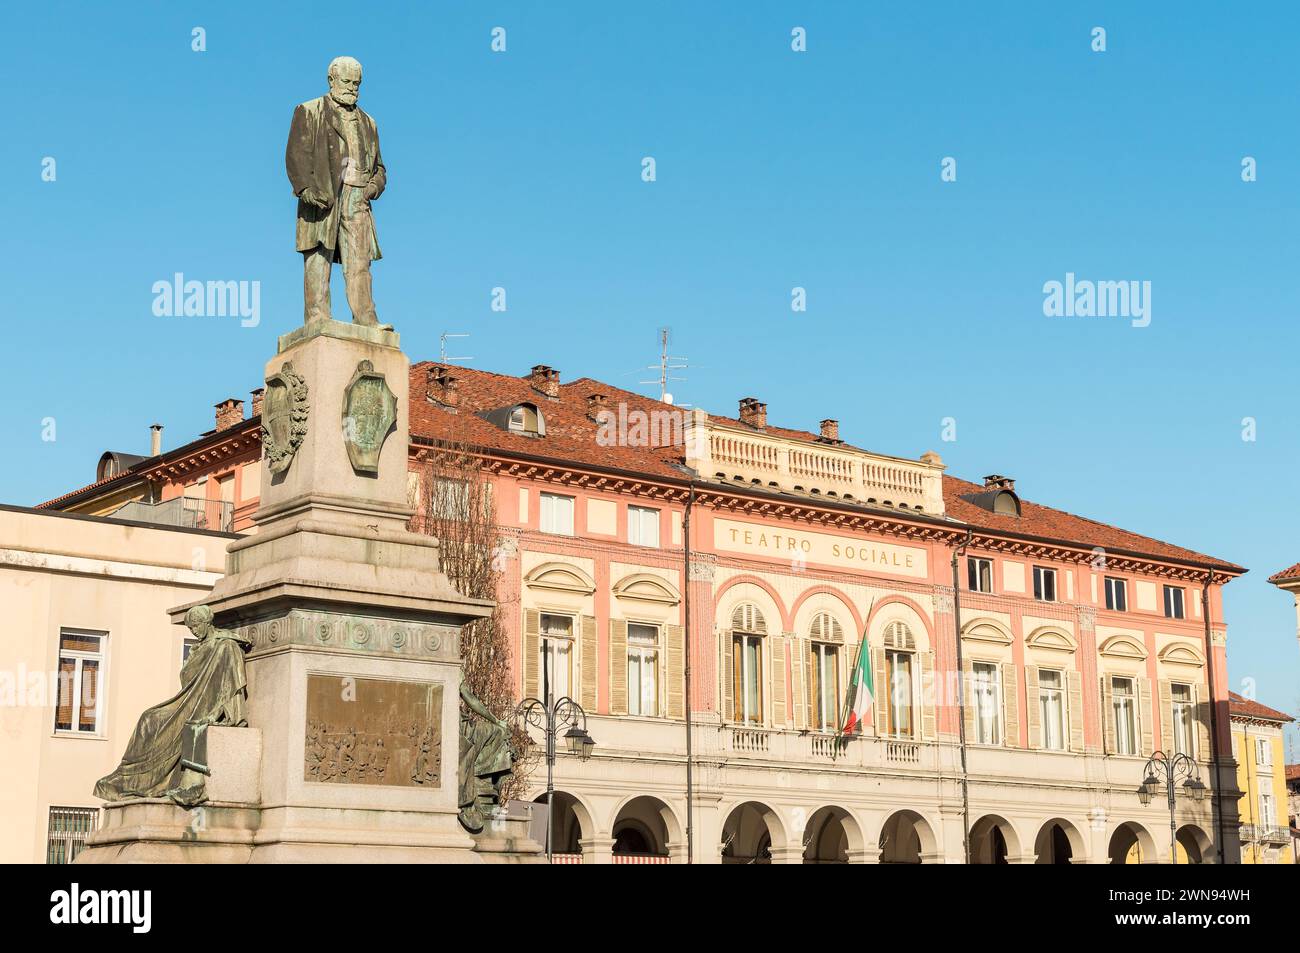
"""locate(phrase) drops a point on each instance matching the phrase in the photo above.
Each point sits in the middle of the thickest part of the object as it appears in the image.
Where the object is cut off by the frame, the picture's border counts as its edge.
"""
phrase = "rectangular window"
(1267, 812)
(988, 703)
(1124, 705)
(1184, 717)
(747, 678)
(1173, 602)
(557, 654)
(1116, 594)
(557, 514)
(81, 664)
(824, 675)
(1051, 702)
(642, 526)
(450, 499)
(68, 830)
(898, 710)
(979, 574)
(1044, 584)
(1263, 753)
(642, 669)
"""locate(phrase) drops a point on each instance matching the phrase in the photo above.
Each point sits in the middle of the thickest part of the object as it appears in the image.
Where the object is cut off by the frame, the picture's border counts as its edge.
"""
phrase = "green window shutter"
(1204, 751)
(1033, 711)
(1144, 697)
(676, 671)
(967, 693)
(1166, 716)
(882, 689)
(1075, 681)
(589, 653)
(728, 677)
(532, 651)
(778, 681)
(928, 699)
(618, 666)
(1011, 704)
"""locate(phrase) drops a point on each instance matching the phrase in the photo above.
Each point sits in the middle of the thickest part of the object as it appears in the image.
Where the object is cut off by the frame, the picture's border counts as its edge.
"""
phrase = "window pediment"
(1181, 653)
(1049, 637)
(1123, 646)
(560, 577)
(986, 630)
(645, 587)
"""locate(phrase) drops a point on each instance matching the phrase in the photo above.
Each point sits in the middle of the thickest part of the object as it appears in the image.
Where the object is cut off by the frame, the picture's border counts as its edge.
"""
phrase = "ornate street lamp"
(1171, 768)
(550, 717)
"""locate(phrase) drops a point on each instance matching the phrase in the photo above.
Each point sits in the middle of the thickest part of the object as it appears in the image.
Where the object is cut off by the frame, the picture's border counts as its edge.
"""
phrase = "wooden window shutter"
(778, 681)
(1011, 704)
(1033, 714)
(1108, 715)
(728, 678)
(1075, 680)
(928, 699)
(1166, 716)
(532, 651)
(590, 647)
(1144, 696)
(882, 690)
(1204, 751)
(798, 680)
(967, 693)
(676, 671)
(618, 666)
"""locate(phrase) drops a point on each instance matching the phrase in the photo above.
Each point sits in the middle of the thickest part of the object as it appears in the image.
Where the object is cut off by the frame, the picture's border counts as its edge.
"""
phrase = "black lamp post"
(550, 717)
(1171, 768)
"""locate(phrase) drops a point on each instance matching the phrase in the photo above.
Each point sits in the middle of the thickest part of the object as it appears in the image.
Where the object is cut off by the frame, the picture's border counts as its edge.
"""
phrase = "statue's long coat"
(314, 157)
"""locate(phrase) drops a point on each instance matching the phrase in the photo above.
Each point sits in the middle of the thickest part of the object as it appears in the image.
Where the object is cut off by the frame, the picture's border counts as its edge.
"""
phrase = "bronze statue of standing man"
(336, 170)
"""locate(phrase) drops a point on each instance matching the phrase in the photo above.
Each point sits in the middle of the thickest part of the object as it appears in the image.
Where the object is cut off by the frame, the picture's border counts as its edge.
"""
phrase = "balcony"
(764, 744)
(753, 457)
(183, 511)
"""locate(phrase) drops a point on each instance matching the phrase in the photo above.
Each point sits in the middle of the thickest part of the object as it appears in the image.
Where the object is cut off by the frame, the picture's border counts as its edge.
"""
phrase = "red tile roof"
(1286, 575)
(1293, 772)
(571, 436)
(1249, 708)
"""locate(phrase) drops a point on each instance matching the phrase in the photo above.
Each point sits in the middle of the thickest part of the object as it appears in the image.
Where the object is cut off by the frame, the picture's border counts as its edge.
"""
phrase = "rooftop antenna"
(667, 363)
(443, 339)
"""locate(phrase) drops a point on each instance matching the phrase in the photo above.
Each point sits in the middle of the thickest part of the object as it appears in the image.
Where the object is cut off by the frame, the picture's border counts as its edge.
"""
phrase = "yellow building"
(1261, 777)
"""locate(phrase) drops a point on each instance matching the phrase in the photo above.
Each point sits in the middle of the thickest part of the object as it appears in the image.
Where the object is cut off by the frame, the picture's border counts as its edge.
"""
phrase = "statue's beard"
(344, 98)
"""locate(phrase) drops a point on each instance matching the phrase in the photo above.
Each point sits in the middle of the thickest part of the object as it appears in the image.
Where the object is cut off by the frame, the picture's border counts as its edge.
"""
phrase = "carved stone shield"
(369, 412)
(284, 417)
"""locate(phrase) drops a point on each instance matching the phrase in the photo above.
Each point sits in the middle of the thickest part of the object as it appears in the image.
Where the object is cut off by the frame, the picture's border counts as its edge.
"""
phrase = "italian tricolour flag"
(861, 695)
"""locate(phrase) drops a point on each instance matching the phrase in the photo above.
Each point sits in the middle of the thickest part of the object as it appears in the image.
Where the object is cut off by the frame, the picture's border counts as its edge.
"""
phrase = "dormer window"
(523, 419)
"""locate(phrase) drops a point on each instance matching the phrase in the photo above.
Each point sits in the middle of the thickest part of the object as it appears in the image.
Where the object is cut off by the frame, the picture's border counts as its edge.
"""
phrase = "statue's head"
(344, 77)
(199, 621)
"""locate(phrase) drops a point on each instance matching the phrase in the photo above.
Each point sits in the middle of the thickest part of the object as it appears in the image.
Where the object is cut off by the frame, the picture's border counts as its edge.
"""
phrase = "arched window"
(825, 635)
(747, 630)
(900, 681)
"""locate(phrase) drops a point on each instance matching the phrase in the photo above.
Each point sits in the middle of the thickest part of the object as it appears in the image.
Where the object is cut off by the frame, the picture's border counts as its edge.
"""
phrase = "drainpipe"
(1215, 808)
(957, 553)
(686, 648)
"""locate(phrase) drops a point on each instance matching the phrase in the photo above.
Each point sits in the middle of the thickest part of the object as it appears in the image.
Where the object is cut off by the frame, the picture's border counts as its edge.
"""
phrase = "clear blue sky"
(775, 169)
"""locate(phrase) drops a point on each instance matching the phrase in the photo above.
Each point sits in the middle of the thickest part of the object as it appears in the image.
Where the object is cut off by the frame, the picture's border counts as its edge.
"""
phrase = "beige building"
(87, 646)
(1257, 746)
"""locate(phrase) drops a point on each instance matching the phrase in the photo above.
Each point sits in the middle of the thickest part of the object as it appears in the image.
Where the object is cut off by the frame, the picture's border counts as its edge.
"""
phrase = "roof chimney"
(155, 439)
(545, 379)
(257, 395)
(995, 481)
(753, 412)
(597, 406)
(229, 413)
(831, 431)
(442, 386)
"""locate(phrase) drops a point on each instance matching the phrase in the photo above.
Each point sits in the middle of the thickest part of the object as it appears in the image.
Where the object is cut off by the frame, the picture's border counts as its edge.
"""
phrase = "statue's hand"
(371, 191)
(314, 198)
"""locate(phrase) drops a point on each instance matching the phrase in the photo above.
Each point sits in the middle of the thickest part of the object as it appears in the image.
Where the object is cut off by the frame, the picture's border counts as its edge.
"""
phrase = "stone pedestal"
(354, 671)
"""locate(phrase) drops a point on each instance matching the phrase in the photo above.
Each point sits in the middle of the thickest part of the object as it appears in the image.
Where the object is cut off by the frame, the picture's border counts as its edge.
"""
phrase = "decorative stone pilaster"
(597, 850)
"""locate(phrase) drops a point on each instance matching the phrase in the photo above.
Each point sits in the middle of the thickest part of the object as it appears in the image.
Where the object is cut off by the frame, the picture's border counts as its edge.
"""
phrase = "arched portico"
(907, 838)
(993, 841)
(752, 834)
(832, 836)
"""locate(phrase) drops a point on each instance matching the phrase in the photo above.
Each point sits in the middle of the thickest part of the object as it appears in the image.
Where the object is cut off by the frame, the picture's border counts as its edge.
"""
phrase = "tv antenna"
(667, 364)
(443, 339)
